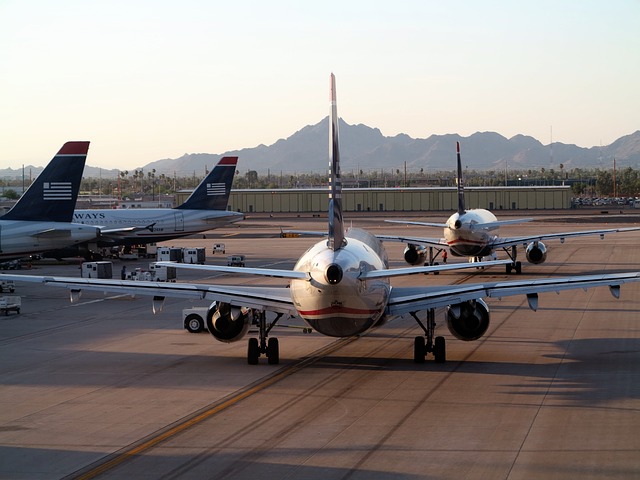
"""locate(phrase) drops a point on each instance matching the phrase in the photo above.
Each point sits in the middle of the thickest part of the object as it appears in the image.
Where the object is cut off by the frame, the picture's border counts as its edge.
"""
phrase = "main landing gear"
(514, 265)
(270, 348)
(428, 344)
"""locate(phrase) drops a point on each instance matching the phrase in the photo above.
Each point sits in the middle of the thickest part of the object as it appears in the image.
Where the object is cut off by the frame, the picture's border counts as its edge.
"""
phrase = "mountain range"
(365, 148)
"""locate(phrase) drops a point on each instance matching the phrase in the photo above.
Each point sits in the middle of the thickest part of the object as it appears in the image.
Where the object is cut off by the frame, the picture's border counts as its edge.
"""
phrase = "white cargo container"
(162, 273)
(7, 285)
(169, 254)
(194, 255)
(102, 269)
(10, 303)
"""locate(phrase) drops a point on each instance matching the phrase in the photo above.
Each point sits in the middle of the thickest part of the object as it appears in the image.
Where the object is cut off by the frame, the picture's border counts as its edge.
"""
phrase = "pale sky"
(146, 80)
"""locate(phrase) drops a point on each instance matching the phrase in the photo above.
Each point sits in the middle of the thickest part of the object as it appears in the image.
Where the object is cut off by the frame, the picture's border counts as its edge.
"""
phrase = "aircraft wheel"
(440, 350)
(508, 267)
(419, 350)
(194, 323)
(518, 267)
(253, 351)
(273, 351)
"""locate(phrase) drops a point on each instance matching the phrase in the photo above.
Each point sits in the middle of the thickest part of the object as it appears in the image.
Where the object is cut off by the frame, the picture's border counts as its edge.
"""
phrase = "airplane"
(473, 233)
(42, 218)
(340, 287)
(205, 209)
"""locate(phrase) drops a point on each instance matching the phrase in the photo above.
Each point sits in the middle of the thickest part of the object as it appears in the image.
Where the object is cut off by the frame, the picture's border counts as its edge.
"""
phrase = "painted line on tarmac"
(127, 453)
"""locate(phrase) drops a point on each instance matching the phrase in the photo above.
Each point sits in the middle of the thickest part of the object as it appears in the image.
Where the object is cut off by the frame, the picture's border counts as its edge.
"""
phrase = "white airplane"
(41, 219)
(340, 287)
(205, 209)
(474, 233)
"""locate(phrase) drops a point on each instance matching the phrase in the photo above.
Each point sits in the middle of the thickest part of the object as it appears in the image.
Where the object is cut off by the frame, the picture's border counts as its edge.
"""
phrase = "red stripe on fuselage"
(338, 310)
(463, 240)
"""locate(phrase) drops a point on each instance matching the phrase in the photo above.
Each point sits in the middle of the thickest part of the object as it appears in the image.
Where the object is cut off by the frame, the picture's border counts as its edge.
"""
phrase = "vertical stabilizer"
(52, 196)
(461, 208)
(214, 190)
(336, 226)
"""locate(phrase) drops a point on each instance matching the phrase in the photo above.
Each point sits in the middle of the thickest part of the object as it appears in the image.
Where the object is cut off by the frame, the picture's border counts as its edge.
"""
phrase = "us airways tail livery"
(204, 210)
(340, 286)
(474, 233)
(41, 219)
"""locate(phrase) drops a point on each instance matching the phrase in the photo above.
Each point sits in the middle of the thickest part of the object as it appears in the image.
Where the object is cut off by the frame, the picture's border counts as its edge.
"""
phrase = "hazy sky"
(145, 80)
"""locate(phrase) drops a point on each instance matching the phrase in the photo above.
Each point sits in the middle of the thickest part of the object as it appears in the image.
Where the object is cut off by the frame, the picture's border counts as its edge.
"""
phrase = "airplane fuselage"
(335, 302)
(466, 235)
(20, 238)
(161, 223)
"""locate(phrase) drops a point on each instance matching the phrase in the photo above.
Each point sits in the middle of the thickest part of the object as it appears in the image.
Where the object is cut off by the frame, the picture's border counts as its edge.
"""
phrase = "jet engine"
(536, 252)
(468, 320)
(415, 254)
(227, 323)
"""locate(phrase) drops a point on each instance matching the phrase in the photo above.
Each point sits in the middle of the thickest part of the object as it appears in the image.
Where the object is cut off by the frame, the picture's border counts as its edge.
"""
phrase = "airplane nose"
(334, 274)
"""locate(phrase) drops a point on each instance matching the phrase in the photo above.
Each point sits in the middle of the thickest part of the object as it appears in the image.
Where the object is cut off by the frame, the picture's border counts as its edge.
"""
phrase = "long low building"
(399, 199)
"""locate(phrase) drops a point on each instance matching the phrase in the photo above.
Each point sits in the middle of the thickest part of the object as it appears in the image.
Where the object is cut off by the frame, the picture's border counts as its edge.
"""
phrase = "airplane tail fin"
(52, 196)
(336, 237)
(461, 206)
(214, 190)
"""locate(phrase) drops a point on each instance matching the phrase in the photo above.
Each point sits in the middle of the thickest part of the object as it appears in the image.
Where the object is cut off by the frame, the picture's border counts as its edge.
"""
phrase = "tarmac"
(105, 389)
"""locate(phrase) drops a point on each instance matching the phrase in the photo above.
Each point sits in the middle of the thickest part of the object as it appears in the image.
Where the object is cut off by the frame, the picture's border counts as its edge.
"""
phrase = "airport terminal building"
(315, 200)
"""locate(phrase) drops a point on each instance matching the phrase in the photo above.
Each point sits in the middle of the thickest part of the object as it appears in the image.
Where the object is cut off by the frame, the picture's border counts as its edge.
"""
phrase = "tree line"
(583, 182)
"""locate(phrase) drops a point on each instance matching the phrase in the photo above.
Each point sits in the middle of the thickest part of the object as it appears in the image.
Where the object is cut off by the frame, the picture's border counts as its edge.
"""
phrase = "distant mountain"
(365, 148)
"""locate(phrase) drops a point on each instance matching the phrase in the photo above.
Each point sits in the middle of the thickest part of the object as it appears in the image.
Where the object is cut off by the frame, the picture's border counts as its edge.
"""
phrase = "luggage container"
(101, 269)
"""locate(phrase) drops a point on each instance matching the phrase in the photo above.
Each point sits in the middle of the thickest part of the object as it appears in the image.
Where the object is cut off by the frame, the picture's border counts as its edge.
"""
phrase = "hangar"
(399, 199)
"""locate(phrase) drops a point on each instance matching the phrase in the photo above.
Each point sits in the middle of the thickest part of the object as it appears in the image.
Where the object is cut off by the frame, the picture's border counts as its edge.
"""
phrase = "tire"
(194, 323)
(253, 351)
(419, 350)
(273, 351)
(440, 350)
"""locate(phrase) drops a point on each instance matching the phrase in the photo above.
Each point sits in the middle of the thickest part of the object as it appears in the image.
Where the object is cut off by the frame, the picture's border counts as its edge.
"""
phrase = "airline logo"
(216, 188)
(57, 191)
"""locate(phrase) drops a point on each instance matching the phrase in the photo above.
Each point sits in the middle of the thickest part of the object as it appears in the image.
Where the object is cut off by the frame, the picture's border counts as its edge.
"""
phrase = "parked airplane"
(474, 233)
(205, 209)
(41, 219)
(340, 287)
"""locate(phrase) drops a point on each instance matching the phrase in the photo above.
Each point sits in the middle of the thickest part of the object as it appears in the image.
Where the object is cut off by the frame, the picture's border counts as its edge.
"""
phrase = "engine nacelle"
(226, 323)
(536, 252)
(415, 254)
(468, 320)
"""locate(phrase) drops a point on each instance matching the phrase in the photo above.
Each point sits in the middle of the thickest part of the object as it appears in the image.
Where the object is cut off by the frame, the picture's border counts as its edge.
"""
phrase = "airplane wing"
(277, 299)
(435, 242)
(118, 232)
(264, 272)
(403, 300)
(52, 233)
(510, 241)
(423, 224)
(397, 272)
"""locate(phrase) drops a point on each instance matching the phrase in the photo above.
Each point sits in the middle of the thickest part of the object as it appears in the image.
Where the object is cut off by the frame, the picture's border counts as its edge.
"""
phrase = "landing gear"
(432, 258)
(517, 266)
(514, 265)
(270, 348)
(423, 345)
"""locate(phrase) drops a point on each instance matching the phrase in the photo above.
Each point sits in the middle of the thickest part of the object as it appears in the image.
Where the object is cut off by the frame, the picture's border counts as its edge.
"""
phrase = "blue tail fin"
(213, 192)
(52, 196)
(461, 207)
(336, 227)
